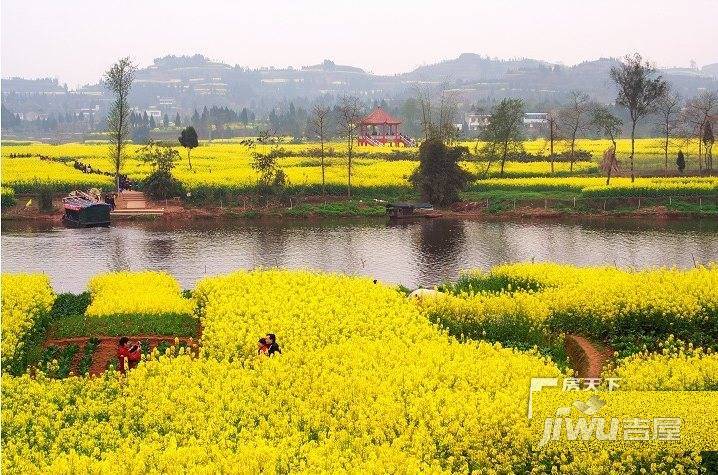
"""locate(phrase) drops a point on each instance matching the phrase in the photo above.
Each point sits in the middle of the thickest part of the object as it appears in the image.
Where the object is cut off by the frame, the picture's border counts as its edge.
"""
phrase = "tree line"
(642, 93)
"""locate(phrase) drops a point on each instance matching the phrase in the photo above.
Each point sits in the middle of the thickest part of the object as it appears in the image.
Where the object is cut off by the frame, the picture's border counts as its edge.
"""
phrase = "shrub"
(439, 178)
(7, 197)
(44, 193)
(162, 185)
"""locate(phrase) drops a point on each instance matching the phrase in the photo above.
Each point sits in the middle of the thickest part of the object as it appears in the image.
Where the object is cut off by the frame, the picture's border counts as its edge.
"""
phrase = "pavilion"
(379, 128)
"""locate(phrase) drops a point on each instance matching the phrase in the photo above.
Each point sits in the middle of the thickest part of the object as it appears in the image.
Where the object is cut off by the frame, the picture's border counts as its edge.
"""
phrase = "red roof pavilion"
(380, 128)
(379, 117)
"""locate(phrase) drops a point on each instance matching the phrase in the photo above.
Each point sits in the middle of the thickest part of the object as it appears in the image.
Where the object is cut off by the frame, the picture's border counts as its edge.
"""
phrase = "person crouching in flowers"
(262, 347)
(128, 355)
(273, 346)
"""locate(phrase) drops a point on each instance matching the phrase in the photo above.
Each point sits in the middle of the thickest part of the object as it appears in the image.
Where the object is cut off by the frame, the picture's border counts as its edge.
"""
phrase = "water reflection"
(418, 253)
(438, 244)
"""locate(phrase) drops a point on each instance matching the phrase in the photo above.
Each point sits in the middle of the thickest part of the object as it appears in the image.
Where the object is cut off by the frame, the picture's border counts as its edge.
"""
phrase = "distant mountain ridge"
(180, 84)
(471, 66)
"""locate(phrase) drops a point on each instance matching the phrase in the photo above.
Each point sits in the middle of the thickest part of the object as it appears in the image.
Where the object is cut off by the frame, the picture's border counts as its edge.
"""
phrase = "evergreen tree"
(439, 178)
(166, 120)
(681, 161)
(188, 139)
(178, 120)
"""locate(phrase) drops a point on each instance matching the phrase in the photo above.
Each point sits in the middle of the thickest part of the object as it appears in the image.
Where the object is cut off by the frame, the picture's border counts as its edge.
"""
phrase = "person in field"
(128, 355)
(262, 347)
(273, 346)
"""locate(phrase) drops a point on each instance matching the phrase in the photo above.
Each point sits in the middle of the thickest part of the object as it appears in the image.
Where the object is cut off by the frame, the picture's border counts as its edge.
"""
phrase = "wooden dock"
(133, 203)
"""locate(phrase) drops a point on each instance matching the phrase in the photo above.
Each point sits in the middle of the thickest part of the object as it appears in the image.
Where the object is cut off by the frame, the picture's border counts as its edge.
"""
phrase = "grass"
(500, 200)
(349, 208)
(123, 325)
(67, 319)
(693, 208)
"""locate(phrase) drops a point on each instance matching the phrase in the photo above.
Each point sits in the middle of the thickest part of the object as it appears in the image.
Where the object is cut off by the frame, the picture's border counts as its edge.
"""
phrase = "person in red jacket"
(128, 355)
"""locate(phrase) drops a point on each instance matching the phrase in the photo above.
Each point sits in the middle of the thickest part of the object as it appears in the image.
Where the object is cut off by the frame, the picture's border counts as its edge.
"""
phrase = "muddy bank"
(174, 211)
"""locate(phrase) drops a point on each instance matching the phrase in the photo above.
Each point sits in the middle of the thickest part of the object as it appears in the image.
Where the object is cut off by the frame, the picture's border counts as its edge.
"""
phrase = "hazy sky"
(76, 40)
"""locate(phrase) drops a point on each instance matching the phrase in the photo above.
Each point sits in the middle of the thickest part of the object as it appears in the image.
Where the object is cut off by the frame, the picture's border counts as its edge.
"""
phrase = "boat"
(411, 210)
(83, 210)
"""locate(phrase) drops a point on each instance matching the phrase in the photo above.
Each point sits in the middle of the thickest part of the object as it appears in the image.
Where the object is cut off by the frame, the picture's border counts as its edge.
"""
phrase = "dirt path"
(106, 351)
(587, 358)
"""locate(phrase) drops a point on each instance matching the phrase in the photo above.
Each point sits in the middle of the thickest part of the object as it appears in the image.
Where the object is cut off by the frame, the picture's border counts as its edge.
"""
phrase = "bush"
(7, 197)
(44, 193)
(439, 178)
(162, 185)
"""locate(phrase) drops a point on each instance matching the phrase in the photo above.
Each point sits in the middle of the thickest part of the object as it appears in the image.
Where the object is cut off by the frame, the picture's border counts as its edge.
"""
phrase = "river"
(420, 253)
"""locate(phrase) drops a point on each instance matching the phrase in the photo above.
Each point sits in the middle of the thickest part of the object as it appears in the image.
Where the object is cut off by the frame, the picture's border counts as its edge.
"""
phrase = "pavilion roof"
(378, 117)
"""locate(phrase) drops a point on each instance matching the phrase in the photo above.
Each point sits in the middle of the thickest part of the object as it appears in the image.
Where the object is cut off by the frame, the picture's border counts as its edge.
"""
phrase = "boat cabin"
(82, 213)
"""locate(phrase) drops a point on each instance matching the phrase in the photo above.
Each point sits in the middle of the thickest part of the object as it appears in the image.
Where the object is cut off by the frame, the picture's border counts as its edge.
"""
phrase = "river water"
(420, 253)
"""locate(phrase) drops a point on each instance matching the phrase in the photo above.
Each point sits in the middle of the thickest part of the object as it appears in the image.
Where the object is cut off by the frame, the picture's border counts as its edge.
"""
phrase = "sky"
(76, 40)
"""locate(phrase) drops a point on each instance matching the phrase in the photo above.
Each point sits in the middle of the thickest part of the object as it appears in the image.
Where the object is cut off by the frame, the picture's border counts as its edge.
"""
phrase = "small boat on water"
(83, 210)
(411, 210)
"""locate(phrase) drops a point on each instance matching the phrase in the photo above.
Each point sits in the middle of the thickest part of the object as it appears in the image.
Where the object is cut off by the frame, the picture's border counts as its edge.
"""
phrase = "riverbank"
(477, 206)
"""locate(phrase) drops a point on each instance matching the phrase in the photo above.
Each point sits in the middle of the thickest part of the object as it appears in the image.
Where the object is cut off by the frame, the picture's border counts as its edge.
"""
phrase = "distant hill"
(710, 69)
(328, 65)
(472, 67)
(181, 84)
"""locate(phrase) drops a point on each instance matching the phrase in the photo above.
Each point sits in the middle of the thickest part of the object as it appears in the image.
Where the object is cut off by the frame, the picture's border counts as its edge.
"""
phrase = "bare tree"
(348, 118)
(708, 139)
(575, 118)
(638, 91)
(609, 125)
(437, 120)
(552, 120)
(318, 125)
(698, 113)
(668, 109)
(118, 79)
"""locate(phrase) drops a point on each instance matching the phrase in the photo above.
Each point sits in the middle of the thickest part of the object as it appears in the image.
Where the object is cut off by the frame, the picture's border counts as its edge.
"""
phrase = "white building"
(535, 119)
(476, 122)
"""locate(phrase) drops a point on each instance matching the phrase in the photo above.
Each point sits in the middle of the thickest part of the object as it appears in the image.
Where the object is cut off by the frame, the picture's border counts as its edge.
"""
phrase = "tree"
(575, 119)
(668, 110)
(178, 120)
(318, 126)
(708, 140)
(188, 139)
(609, 125)
(439, 178)
(166, 120)
(161, 158)
(348, 117)
(160, 184)
(681, 161)
(552, 120)
(698, 113)
(437, 121)
(118, 79)
(638, 91)
(503, 135)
